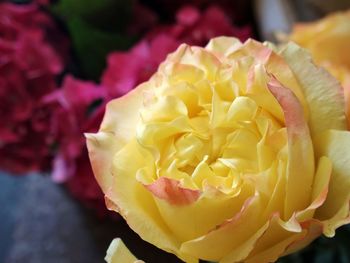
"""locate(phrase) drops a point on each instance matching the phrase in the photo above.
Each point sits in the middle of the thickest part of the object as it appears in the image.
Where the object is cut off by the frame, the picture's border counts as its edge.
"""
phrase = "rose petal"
(118, 252)
(171, 191)
(323, 93)
(300, 168)
(335, 145)
(229, 235)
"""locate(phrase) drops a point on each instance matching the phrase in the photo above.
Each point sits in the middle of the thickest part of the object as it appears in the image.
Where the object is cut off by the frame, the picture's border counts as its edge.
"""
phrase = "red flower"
(70, 118)
(237, 10)
(142, 20)
(82, 184)
(195, 28)
(125, 70)
(28, 67)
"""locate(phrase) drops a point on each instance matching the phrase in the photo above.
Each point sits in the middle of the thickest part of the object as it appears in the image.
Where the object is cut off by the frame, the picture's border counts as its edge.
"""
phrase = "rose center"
(218, 146)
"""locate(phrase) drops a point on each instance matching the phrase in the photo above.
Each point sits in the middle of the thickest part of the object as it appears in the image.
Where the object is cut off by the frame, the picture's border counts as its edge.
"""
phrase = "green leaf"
(91, 46)
(110, 15)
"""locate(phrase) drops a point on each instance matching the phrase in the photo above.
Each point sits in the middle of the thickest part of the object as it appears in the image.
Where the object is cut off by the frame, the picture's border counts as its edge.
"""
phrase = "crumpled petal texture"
(328, 40)
(229, 153)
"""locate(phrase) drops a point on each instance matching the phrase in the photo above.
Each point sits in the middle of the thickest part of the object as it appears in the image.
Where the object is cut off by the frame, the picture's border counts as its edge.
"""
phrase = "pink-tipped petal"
(300, 168)
(171, 191)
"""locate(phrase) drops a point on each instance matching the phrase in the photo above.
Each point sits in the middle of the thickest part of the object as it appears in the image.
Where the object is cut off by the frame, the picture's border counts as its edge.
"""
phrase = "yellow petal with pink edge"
(199, 217)
(342, 74)
(276, 65)
(230, 235)
(257, 90)
(171, 191)
(137, 205)
(115, 132)
(242, 251)
(312, 229)
(102, 146)
(323, 93)
(114, 120)
(274, 242)
(300, 166)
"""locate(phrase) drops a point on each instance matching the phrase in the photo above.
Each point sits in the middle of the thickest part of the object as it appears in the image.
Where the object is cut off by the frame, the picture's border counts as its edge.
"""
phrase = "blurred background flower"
(29, 65)
(328, 40)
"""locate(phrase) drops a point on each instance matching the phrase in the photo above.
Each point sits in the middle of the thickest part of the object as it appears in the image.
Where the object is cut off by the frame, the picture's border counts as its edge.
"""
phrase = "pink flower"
(143, 19)
(70, 119)
(126, 70)
(239, 11)
(195, 28)
(28, 67)
(82, 184)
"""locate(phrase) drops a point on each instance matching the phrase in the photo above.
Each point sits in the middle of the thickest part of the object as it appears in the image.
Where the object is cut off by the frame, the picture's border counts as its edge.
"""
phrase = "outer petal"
(319, 189)
(335, 145)
(117, 252)
(241, 252)
(230, 235)
(343, 75)
(198, 218)
(115, 131)
(282, 236)
(312, 230)
(136, 204)
(300, 169)
(323, 93)
(102, 147)
(115, 161)
(275, 240)
(129, 105)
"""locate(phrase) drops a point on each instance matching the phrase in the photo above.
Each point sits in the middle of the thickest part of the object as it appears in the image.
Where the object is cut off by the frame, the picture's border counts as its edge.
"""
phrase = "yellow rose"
(233, 152)
(328, 40)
